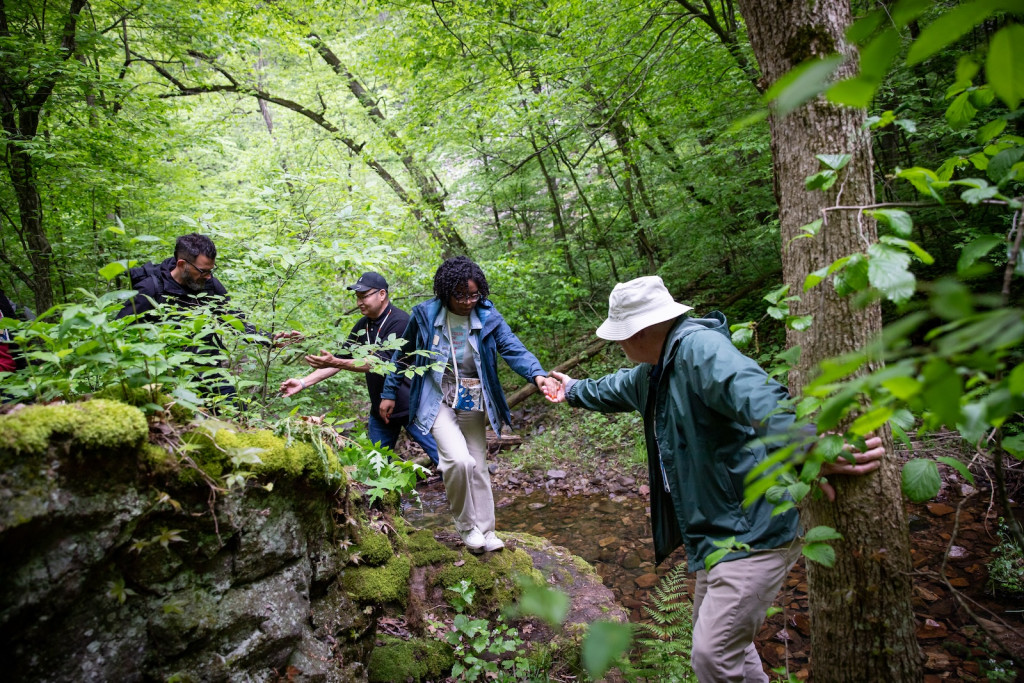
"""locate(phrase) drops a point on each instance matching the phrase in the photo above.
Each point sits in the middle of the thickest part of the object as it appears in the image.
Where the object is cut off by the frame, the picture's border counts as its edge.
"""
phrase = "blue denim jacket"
(490, 336)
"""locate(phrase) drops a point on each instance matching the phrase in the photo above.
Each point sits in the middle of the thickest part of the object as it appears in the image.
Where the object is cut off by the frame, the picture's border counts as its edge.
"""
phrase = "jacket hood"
(686, 325)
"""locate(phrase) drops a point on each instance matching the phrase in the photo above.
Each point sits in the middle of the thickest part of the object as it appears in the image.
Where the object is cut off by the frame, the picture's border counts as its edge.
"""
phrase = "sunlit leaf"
(949, 27)
(960, 112)
(1004, 66)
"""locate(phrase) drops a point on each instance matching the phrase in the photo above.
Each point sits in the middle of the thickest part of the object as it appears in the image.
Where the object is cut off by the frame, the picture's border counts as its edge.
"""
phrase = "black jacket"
(392, 321)
(154, 281)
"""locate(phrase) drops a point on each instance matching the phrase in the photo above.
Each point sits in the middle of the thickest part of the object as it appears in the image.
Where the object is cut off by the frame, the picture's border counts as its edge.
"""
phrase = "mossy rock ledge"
(121, 564)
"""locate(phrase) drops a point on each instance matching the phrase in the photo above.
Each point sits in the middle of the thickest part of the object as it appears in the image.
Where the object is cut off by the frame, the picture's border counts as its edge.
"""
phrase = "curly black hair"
(452, 276)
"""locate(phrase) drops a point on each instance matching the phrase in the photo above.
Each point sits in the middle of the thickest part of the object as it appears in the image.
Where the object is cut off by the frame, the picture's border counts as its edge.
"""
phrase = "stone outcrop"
(120, 561)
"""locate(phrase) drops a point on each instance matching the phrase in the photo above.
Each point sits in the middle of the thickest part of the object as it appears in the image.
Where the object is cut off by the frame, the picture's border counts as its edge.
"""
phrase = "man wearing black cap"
(380, 320)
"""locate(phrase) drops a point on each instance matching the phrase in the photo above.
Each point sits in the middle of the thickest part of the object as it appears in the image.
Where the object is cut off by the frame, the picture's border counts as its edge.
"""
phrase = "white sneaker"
(492, 542)
(474, 540)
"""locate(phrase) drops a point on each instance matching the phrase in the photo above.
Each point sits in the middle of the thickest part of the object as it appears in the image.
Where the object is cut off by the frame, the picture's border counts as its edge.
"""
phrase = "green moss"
(419, 659)
(493, 576)
(88, 426)
(389, 583)
(277, 456)
(141, 396)
(424, 549)
(374, 548)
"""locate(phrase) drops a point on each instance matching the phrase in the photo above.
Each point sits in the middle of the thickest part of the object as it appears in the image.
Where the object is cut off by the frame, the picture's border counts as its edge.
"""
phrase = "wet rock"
(647, 580)
(957, 552)
(931, 630)
(556, 474)
(940, 509)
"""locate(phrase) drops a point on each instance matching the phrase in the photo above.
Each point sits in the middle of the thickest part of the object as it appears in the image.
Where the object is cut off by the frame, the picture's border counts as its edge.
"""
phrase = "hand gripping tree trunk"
(862, 624)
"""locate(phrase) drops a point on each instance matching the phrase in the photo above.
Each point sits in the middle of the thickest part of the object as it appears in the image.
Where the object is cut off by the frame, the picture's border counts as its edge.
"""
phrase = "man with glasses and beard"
(181, 278)
(186, 281)
(380, 320)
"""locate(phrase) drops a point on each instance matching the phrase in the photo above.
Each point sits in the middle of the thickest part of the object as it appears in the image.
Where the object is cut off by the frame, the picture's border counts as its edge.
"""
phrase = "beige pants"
(729, 606)
(462, 451)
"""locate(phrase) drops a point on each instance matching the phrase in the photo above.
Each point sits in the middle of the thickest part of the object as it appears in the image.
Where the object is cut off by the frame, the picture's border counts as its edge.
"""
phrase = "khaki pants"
(729, 606)
(462, 452)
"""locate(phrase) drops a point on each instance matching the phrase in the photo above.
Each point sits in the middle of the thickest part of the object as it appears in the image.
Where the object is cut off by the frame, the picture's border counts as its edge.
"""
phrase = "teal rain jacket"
(702, 415)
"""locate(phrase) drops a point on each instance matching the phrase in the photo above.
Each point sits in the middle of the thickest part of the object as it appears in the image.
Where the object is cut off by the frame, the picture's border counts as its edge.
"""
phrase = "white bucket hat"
(637, 304)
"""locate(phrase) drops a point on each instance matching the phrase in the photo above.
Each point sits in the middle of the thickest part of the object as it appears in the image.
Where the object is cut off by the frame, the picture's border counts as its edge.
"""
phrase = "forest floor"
(966, 632)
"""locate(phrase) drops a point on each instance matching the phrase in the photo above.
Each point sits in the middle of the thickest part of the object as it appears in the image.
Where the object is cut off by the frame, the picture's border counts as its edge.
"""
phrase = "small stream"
(611, 533)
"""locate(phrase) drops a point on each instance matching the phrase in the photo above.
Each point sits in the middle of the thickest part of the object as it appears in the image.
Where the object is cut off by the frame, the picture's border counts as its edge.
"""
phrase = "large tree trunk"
(862, 623)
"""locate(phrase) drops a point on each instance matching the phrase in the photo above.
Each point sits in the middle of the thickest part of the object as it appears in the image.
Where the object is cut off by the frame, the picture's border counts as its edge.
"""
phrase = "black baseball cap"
(369, 280)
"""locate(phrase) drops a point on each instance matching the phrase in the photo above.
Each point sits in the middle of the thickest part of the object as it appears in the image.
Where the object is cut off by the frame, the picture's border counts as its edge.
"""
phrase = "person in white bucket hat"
(704, 403)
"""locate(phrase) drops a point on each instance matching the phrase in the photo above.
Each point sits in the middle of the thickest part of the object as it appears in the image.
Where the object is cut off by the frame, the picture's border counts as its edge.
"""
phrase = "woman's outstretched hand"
(551, 388)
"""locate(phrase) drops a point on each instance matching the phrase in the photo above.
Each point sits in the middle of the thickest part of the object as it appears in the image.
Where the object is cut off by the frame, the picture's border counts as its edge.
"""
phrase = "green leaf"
(540, 601)
(899, 221)
(822, 553)
(1014, 445)
(776, 295)
(871, 420)
(836, 162)
(603, 645)
(948, 28)
(742, 337)
(853, 278)
(1004, 66)
(714, 558)
(799, 490)
(1002, 163)
(976, 195)
(958, 466)
(912, 247)
(990, 130)
(942, 391)
(877, 56)
(822, 533)
(830, 446)
(973, 251)
(799, 322)
(1015, 380)
(112, 270)
(903, 388)
(920, 479)
(857, 91)
(888, 272)
(821, 180)
(802, 83)
(960, 112)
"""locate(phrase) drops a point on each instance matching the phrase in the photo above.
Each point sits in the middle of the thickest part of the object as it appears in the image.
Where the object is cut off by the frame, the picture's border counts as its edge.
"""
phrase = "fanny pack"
(466, 393)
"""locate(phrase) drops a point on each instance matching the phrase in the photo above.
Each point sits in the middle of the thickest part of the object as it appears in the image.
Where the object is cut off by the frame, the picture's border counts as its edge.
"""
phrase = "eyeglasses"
(363, 295)
(205, 272)
(467, 298)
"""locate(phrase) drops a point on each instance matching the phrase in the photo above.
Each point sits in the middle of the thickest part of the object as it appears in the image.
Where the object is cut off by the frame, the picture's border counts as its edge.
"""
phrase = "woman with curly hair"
(463, 330)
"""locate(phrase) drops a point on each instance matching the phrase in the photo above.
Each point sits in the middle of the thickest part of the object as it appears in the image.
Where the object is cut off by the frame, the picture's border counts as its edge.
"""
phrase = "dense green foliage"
(564, 145)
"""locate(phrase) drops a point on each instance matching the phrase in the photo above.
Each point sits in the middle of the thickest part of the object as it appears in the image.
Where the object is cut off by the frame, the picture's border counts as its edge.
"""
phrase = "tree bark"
(20, 110)
(862, 621)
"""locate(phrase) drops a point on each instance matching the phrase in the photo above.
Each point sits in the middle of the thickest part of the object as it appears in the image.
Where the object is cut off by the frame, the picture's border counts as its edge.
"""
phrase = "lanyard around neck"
(379, 328)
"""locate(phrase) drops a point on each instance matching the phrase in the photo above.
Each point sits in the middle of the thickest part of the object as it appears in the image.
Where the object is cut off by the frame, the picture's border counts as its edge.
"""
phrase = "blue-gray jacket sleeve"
(618, 392)
(515, 353)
